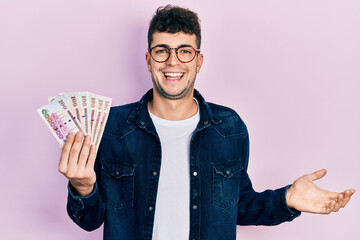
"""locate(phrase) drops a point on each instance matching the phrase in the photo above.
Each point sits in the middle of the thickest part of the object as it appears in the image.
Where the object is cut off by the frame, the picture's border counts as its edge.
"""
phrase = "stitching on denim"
(230, 135)
(121, 136)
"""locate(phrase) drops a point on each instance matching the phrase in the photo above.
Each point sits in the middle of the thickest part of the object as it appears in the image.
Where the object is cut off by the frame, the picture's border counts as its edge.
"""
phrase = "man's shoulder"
(124, 108)
(217, 108)
(221, 111)
(122, 111)
(227, 118)
(118, 120)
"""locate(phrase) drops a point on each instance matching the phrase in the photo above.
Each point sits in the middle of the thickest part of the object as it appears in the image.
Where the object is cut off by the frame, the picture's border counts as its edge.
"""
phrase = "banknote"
(72, 100)
(84, 109)
(52, 98)
(59, 119)
(76, 111)
(103, 119)
(98, 112)
(92, 110)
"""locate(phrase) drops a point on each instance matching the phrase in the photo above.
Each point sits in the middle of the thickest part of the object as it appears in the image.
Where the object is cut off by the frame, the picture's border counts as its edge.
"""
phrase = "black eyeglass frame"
(176, 52)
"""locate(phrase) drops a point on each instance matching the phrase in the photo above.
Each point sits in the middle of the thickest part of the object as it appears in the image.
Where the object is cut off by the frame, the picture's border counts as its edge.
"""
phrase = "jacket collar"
(141, 117)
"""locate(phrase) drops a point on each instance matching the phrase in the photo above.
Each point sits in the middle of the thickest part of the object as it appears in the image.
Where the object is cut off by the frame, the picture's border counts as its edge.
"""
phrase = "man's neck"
(173, 110)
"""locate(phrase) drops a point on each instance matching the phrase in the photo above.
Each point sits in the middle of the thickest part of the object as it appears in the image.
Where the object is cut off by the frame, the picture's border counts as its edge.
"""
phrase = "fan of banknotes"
(74, 112)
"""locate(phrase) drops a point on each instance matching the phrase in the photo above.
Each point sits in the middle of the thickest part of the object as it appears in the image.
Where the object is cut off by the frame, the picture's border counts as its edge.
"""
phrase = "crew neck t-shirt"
(172, 210)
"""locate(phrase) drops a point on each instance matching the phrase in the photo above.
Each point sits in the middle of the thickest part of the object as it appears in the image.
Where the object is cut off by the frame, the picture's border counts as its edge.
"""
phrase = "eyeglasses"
(161, 53)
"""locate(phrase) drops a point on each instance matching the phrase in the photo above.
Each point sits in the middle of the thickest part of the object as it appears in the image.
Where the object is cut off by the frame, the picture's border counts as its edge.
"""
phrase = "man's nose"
(173, 59)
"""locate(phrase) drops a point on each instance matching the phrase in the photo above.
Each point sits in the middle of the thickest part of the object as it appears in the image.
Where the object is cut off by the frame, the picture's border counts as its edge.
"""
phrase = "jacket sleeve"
(87, 212)
(264, 208)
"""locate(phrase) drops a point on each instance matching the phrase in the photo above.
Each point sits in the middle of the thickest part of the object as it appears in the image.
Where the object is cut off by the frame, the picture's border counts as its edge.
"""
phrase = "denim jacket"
(128, 166)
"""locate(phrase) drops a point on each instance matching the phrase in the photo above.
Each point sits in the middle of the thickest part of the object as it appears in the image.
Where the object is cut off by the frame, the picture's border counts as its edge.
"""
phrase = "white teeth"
(173, 74)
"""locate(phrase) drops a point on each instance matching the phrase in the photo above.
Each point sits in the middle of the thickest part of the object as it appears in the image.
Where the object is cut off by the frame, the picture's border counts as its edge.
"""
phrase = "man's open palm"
(305, 196)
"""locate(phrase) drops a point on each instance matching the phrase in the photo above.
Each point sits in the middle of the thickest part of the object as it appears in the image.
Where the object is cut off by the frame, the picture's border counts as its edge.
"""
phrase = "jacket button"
(154, 173)
(227, 172)
(142, 123)
(194, 207)
(150, 208)
(195, 174)
(206, 123)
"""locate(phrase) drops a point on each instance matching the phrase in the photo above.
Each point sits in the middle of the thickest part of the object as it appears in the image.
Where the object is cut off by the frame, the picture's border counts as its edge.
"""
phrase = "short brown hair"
(173, 19)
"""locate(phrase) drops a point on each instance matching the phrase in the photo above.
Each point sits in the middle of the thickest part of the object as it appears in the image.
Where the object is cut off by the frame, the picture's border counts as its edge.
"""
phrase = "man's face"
(173, 79)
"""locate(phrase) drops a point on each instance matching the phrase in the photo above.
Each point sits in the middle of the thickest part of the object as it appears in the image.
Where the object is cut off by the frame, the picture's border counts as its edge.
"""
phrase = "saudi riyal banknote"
(88, 113)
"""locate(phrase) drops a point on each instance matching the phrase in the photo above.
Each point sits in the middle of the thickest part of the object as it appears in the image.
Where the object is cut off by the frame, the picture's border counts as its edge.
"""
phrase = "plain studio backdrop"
(291, 69)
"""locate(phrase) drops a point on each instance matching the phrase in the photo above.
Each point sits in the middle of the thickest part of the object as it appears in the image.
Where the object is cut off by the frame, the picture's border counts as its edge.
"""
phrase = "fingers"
(331, 206)
(77, 155)
(340, 201)
(84, 152)
(75, 151)
(65, 153)
(91, 160)
(333, 195)
(317, 175)
(347, 195)
(77, 162)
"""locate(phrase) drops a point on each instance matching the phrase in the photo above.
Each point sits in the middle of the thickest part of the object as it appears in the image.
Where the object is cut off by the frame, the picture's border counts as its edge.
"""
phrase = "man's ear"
(199, 62)
(148, 60)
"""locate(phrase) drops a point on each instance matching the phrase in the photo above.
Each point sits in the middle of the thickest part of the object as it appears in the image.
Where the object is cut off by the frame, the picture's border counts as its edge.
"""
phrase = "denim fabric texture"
(221, 194)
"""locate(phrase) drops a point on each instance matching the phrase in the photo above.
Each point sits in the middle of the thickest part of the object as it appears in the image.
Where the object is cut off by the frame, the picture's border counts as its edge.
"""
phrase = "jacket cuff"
(281, 209)
(77, 203)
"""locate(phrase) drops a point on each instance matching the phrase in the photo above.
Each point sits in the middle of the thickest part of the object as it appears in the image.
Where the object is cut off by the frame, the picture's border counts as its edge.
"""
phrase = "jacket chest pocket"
(226, 183)
(117, 182)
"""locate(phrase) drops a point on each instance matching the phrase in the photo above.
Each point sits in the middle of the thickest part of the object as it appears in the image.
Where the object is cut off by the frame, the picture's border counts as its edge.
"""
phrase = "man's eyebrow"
(167, 46)
(162, 45)
(185, 45)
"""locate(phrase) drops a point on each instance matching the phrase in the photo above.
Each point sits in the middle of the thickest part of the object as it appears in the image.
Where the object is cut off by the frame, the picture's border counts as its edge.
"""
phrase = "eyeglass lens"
(184, 54)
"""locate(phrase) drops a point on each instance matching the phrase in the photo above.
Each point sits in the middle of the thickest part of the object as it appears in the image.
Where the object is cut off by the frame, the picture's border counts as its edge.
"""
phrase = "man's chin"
(173, 92)
(172, 95)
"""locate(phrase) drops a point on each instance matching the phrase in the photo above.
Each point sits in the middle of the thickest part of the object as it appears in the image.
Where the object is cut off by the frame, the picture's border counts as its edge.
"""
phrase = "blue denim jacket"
(221, 194)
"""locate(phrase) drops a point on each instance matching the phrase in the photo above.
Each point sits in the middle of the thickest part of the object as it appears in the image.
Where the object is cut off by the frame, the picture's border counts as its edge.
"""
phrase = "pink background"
(291, 69)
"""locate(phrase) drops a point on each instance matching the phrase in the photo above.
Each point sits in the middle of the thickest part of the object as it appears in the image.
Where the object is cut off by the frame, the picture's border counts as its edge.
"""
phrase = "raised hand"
(305, 196)
(77, 163)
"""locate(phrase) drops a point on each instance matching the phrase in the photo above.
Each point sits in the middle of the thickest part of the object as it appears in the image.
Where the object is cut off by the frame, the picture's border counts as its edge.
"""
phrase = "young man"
(173, 166)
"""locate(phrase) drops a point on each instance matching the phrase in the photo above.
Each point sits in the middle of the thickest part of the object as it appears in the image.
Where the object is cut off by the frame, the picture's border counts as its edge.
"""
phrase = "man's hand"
(77, 163)
(305, 196)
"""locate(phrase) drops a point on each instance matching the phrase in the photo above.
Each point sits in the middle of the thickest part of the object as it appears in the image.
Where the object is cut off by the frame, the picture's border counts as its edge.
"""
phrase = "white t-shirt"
(172, 210)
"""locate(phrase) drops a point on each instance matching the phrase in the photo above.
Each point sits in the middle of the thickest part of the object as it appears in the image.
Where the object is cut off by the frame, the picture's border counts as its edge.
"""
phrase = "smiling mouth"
(173, 76)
